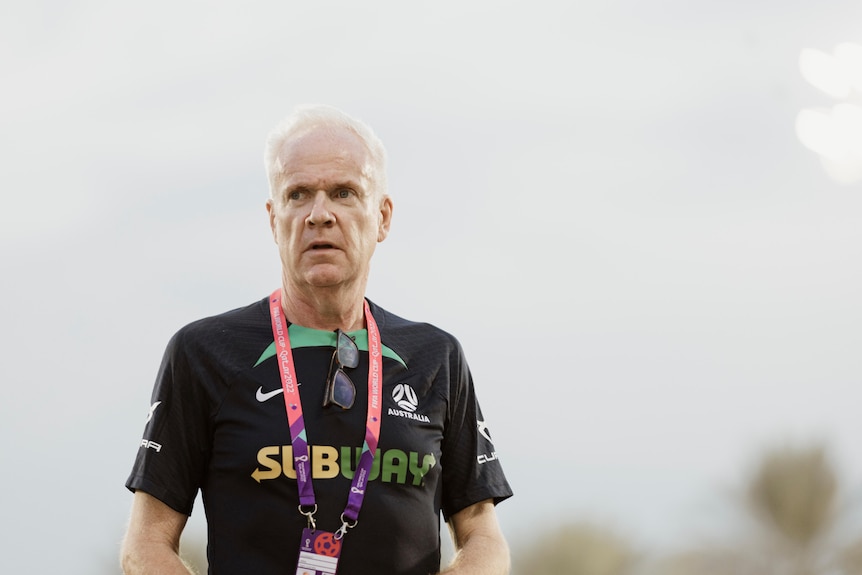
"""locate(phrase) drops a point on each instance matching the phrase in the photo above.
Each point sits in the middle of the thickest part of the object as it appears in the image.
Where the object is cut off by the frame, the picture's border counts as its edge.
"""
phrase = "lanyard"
(293, 405)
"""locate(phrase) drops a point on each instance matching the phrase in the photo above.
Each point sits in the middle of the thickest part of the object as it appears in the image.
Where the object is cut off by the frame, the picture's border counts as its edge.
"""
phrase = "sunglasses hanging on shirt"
(340, 390)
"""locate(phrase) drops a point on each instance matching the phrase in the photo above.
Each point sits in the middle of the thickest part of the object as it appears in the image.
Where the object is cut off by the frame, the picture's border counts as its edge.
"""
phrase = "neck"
(323, 309)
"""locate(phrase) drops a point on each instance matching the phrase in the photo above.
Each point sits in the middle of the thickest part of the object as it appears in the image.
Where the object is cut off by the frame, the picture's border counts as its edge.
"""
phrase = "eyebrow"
(304, 185)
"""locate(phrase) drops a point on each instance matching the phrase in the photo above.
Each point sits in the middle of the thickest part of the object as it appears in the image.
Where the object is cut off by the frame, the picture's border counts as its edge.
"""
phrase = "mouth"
(321, 246)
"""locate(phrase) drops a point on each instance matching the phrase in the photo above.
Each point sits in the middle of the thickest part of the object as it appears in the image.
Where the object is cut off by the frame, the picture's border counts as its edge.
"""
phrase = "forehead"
(324, 154)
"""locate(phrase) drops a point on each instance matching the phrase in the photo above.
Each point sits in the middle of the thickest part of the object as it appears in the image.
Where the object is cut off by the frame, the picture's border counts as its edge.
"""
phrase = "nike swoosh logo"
(262, 396)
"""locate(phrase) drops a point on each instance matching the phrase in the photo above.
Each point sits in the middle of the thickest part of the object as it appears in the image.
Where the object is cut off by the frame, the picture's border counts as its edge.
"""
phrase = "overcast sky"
(606, 202)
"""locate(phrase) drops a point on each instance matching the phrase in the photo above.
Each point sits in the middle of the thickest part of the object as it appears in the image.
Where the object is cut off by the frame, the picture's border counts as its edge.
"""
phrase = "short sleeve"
(471, 469)
(173, 454)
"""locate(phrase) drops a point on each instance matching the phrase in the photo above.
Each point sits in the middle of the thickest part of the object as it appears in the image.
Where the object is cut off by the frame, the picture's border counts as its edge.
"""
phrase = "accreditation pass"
(318, 553)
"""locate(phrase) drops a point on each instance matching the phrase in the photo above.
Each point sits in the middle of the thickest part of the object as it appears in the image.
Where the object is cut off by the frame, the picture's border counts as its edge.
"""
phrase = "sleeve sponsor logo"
(483, 431)
(152, 410)
(147, 444)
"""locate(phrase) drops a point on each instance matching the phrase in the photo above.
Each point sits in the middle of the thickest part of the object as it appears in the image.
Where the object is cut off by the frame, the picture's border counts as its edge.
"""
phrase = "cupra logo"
(152, 410)
(483, 430)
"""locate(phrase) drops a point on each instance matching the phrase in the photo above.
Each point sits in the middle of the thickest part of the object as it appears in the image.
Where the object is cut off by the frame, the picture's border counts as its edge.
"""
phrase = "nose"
(320, 214)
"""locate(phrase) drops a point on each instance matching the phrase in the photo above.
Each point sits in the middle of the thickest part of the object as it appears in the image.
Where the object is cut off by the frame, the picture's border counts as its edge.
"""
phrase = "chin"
(324, 278)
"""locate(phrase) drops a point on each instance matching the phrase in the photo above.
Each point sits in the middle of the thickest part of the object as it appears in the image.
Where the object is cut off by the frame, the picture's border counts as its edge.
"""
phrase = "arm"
(480, 545)
(152, 541)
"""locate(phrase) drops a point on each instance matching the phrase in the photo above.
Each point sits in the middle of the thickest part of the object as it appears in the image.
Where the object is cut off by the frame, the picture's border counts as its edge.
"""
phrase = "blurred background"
(641, 219)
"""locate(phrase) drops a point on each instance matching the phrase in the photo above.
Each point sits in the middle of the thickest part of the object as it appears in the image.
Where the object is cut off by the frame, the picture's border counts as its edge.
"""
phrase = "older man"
(324, 432)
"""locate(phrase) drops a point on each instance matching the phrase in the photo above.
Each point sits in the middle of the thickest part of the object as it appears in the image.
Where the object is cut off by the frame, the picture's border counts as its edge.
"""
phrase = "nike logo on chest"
(262, 395)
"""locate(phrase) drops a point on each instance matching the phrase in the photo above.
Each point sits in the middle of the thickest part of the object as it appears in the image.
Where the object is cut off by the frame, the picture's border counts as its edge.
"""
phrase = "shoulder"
(238, 318)
(411, 338)
(240, 323)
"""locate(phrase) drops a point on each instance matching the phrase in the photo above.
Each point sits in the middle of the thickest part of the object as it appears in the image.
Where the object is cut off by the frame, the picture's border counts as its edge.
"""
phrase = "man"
(323, 431)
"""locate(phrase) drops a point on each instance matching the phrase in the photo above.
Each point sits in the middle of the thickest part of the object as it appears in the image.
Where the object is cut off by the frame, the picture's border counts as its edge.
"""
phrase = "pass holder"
(345, 525)
(309, 513)
(319, 552)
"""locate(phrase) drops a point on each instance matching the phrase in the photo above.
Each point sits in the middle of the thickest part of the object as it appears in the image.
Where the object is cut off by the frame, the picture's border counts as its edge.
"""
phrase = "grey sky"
(606, 203)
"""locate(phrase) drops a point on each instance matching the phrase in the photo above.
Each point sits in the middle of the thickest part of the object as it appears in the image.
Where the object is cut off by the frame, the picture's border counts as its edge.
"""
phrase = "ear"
(385, 218)
(270, 209)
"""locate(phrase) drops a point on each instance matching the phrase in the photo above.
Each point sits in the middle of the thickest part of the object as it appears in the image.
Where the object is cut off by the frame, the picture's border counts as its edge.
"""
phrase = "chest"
(251, 435)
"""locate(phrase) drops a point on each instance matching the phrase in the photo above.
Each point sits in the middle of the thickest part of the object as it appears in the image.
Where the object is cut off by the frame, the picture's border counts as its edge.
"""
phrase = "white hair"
(303, 119)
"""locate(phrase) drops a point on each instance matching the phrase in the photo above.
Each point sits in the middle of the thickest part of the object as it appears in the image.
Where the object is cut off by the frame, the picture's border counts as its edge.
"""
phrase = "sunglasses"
(340, 390)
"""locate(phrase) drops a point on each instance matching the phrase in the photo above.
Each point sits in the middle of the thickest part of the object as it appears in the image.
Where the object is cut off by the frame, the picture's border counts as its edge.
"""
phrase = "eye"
(296, 194)
(343, 193)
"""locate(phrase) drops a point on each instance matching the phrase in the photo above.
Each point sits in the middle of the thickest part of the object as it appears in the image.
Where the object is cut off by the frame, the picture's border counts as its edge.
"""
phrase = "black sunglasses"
(340, 390)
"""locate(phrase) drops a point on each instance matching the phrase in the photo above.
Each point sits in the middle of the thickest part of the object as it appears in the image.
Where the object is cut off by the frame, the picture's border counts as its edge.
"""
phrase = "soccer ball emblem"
(405, 397)
(327, 544)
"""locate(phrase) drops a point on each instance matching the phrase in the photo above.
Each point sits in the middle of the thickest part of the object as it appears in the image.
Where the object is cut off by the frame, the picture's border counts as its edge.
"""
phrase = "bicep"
(153, 535)
(481, 547)
(479, 519)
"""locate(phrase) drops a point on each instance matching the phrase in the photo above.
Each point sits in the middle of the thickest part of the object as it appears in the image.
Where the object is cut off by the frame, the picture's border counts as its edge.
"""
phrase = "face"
(325, 213)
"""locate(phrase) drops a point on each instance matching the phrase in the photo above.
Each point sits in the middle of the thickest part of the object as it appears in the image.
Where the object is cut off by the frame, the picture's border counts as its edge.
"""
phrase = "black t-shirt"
(217, 423)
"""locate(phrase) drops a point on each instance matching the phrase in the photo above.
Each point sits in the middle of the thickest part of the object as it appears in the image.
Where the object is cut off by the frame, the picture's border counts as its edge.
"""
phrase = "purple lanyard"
(293, 405)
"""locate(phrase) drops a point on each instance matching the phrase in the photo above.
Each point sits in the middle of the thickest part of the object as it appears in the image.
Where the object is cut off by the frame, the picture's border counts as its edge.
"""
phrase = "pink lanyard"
(293, 405)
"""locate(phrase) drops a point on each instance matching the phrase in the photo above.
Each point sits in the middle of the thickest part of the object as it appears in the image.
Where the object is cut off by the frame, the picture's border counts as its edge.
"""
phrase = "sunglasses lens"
(348, 353)
(343, 390)
(339, 388)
